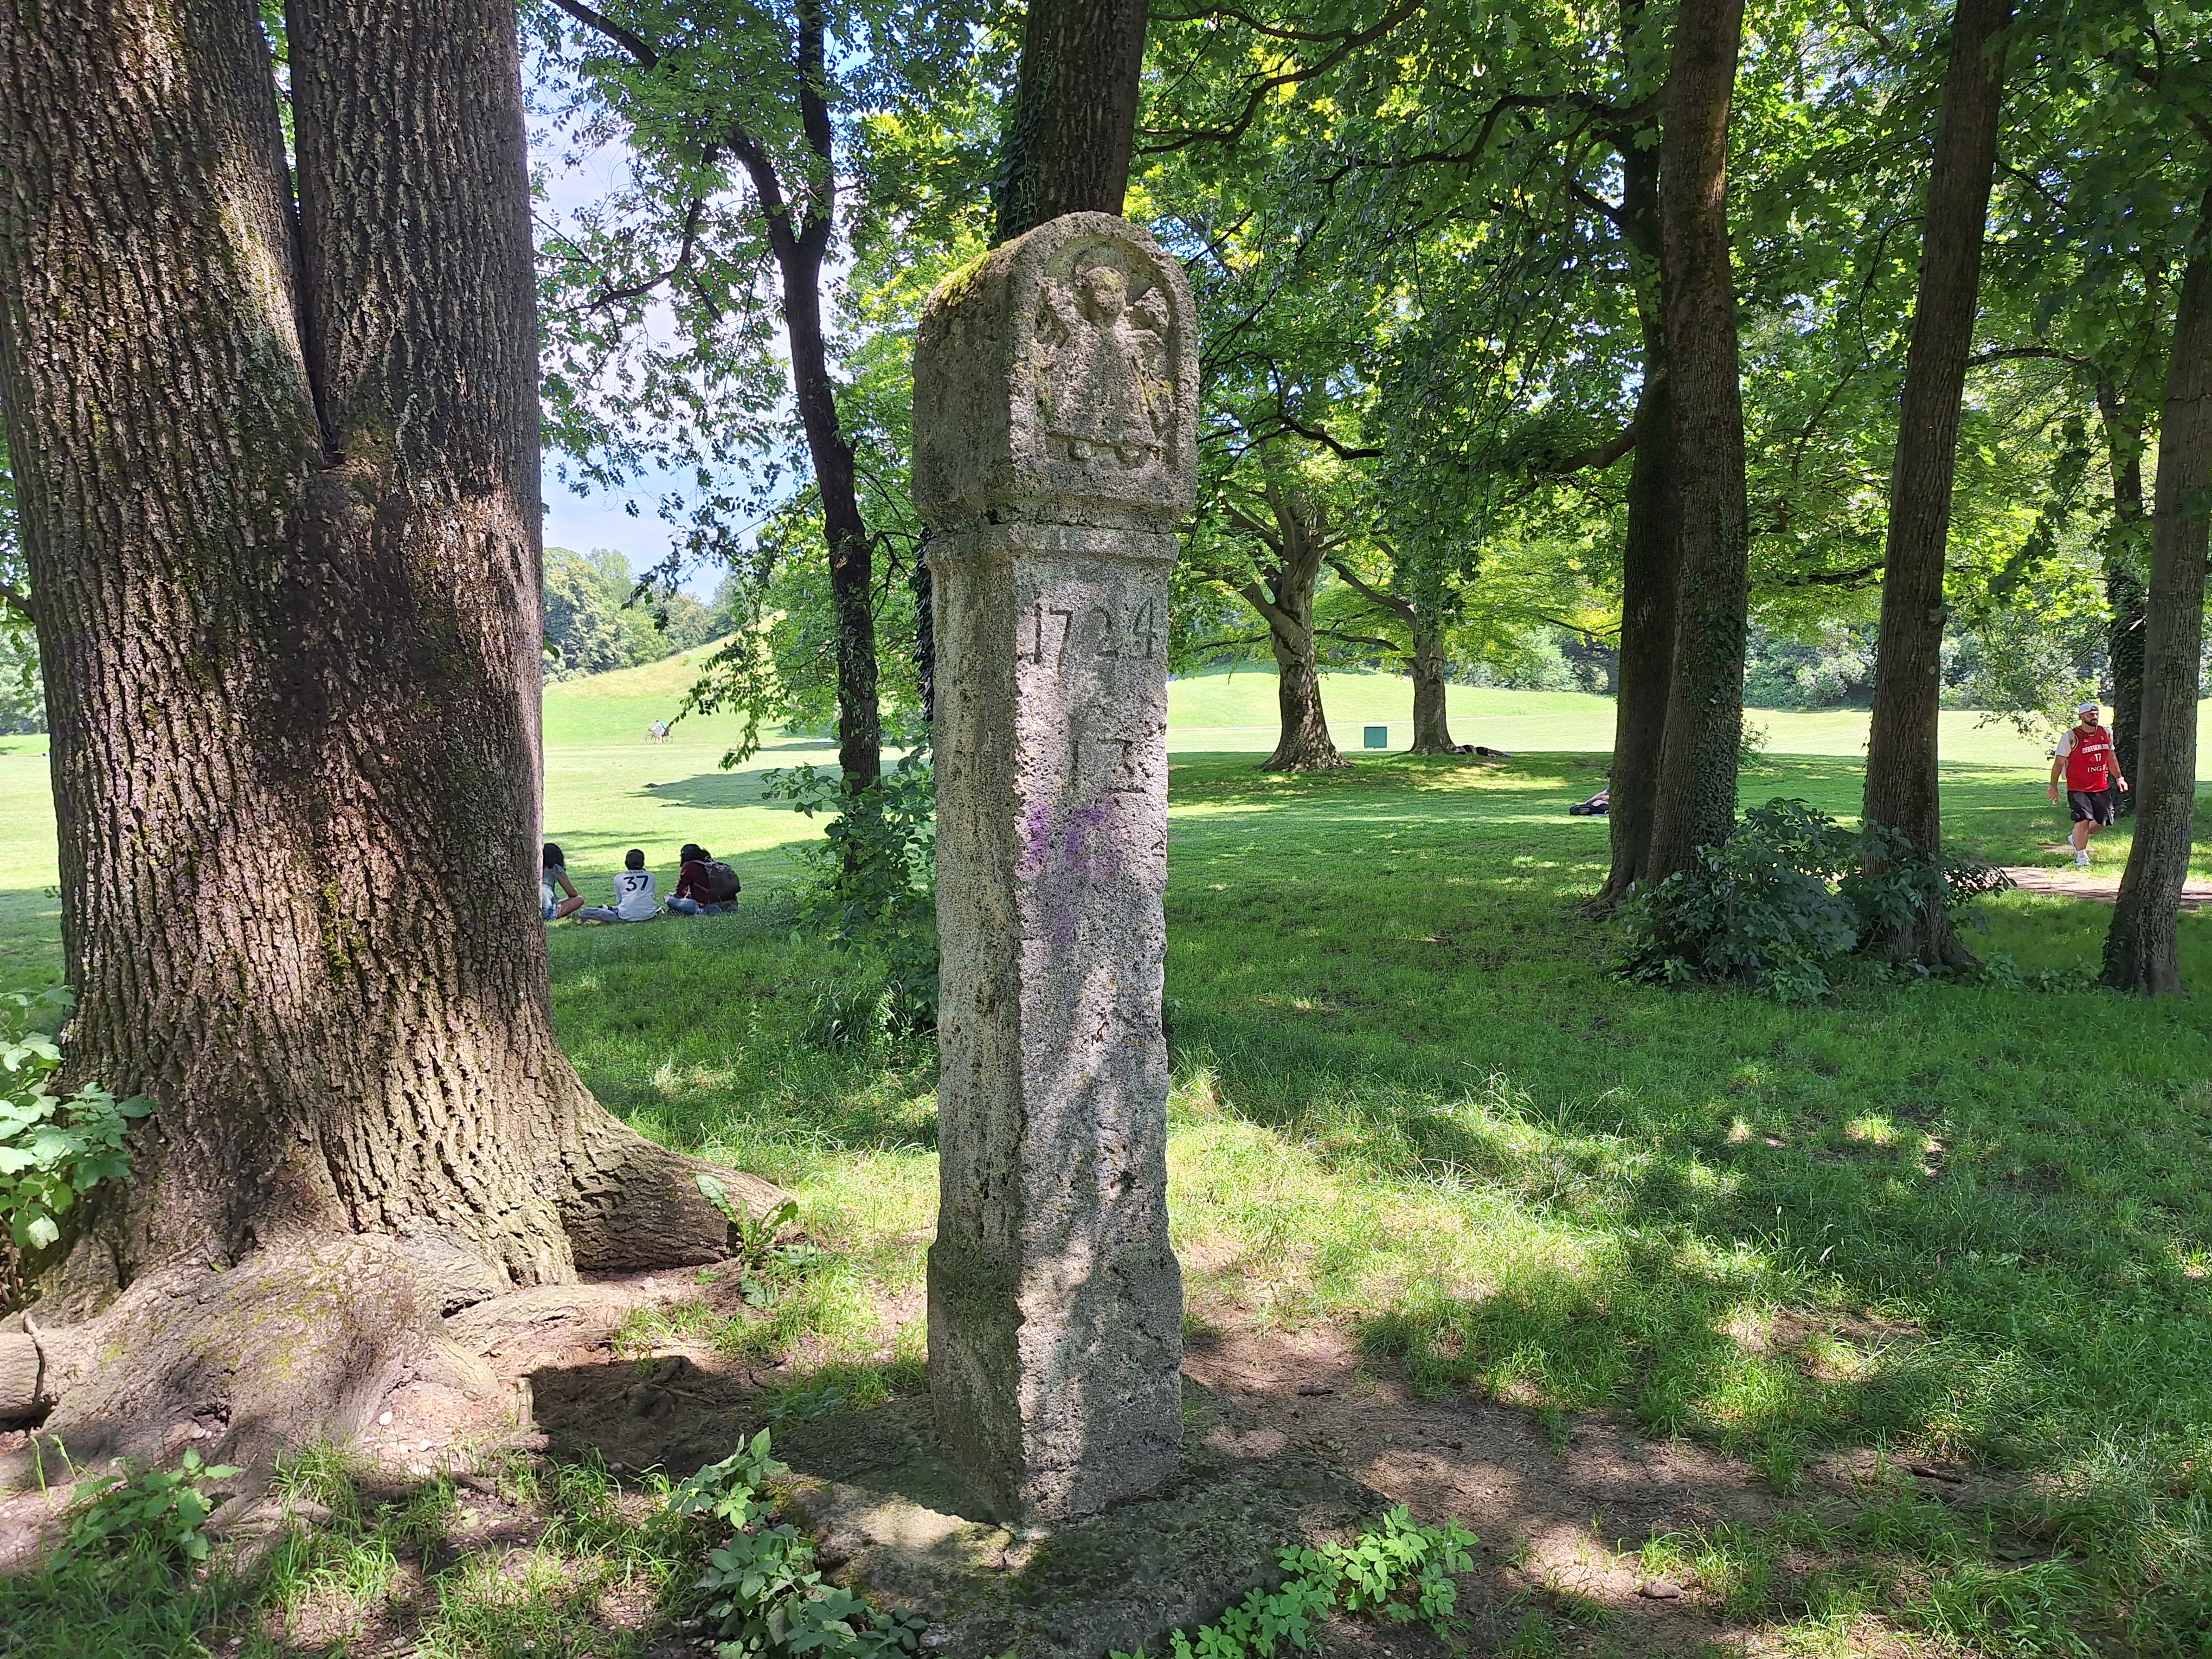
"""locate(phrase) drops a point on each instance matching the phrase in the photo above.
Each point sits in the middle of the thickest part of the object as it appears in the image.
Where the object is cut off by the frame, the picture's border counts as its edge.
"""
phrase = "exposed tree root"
(1931, 942)
(297, 1343)
(633, 1203)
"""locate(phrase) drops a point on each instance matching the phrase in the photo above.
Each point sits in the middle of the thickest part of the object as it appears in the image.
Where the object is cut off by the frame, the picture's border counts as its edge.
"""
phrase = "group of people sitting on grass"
(705, 886)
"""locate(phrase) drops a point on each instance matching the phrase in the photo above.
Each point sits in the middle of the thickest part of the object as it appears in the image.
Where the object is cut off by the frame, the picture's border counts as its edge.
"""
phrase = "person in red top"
(694, 895)
(2092, 770)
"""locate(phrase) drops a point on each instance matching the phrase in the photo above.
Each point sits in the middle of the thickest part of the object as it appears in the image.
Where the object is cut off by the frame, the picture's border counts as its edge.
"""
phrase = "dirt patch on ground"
(1559, 1515)
(2070, 881)
(1557, 1522)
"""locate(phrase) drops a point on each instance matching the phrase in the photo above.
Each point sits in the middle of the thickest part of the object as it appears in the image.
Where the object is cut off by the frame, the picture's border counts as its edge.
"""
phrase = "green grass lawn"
(1949, 1220)
(1956, 1220)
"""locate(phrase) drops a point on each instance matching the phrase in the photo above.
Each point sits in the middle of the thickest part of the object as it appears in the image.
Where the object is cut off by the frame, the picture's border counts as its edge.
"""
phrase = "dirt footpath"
(2102, 883)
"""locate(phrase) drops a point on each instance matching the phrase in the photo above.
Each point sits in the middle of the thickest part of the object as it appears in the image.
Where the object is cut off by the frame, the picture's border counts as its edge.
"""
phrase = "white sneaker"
(2081, 858)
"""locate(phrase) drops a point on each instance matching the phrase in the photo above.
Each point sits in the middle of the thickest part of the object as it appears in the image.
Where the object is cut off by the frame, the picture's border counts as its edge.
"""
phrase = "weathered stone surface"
(1058, 377)
(891, 1518)
(1055, 408)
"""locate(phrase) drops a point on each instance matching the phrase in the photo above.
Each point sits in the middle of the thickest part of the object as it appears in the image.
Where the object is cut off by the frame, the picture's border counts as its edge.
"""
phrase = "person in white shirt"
(635, 899)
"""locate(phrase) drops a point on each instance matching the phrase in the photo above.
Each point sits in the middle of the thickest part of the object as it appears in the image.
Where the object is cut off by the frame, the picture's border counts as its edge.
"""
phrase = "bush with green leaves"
(1399, 1570)
(873, 876)
(163, 1509)
(53, 1148)
(1787, 897)
(766, 1598)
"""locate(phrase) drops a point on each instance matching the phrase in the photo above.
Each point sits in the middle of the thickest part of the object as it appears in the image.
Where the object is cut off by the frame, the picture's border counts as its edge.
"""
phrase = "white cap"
(2090, 709)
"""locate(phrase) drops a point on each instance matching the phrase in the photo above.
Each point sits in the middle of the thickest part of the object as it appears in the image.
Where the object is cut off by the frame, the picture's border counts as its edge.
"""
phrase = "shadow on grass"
(713, 789)
(744, 1035)
(1695, 1204)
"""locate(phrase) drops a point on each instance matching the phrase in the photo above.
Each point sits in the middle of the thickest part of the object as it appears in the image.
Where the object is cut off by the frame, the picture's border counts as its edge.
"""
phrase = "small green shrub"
(163, 1508)
(1398, 1571)
(1786, 896)
(53, 1149)
(873, 876)
(766, 1599)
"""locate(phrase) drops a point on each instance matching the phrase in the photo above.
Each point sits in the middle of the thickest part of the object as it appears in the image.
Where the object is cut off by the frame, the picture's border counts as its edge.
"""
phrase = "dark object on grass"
(1480, 748)
(1597, 807)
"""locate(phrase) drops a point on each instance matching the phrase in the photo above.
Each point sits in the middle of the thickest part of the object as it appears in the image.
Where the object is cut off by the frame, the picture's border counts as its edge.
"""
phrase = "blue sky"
(598, 520)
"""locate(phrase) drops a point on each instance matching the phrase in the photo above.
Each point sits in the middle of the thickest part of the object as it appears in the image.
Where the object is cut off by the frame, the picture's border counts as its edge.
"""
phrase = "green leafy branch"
(767, 1598)
(53, 1148)
(1399, 1570)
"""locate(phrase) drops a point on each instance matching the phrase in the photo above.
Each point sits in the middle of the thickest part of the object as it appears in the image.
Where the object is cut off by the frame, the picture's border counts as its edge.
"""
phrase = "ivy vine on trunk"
(1903, 791)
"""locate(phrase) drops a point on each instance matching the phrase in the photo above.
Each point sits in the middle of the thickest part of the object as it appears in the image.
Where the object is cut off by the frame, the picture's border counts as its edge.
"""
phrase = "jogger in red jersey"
(2092, 770)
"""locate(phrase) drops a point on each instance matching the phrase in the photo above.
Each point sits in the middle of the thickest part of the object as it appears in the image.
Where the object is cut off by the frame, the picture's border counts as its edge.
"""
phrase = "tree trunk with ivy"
(1693, 798)
(2141, 950)
(1903, 784)
(1650, 553)
(278, 479)
(1073, 124)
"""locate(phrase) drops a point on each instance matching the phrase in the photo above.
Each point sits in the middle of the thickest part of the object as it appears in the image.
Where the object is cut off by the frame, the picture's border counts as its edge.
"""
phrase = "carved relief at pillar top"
(1100, 376)
(1058, 379)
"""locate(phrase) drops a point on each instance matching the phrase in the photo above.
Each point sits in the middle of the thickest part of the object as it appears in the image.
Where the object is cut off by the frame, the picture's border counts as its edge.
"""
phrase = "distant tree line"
(598, 616)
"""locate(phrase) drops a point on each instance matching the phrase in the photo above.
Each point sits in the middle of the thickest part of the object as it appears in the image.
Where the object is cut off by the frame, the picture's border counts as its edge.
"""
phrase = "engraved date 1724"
(1057, 632)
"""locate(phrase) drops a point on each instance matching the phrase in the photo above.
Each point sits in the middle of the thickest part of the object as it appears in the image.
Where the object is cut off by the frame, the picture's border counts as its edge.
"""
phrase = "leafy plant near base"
(765, 1260)
(767, 1597)
(1786, 896)
(165, 1508)
(874, 875)
(1398, 1571)
(53, 1148)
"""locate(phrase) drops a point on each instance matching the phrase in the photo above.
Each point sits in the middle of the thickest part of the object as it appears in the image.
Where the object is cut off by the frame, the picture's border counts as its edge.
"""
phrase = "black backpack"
(722, 883)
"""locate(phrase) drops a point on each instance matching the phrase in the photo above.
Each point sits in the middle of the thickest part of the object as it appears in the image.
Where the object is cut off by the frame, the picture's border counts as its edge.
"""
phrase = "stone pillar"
(1055, 409)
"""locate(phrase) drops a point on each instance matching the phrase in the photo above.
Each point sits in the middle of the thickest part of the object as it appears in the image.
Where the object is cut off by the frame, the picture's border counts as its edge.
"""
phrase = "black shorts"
(2091, 805)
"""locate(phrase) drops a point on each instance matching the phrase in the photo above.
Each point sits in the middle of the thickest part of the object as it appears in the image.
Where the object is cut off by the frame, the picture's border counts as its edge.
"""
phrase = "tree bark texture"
(1073, 124)
(279, 495)
(2125, 565)
(851, 558)
(1431, 715)
(1297, 540)
(1903, 791)
(2140, 949)
(1695, 797)
(1649, 552)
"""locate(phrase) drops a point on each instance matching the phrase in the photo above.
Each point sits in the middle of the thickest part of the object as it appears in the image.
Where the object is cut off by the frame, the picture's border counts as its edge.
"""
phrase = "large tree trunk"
(1305, 745)
(1695, 797)
(1431, 718)
(2123, 563)
(2140, 949)
(1650, 555)
(279, 497)
(1074, 123)
(1903, 790)
(1424, 662)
